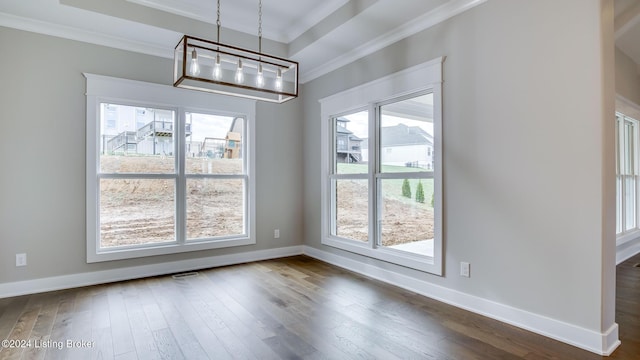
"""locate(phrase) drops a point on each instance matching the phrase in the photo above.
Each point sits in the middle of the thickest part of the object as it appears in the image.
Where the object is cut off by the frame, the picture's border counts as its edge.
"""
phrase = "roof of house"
(402, 135)
(341, 129)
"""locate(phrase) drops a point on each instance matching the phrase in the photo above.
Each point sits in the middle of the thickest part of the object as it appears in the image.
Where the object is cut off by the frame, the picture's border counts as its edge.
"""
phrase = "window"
(627, 175)
(173, 173)
(110, 114)
(384, 199)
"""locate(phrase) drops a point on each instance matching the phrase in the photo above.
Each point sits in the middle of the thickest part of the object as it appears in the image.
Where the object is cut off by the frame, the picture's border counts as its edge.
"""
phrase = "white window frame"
(625, 235)
(104, 89)
(417, 80)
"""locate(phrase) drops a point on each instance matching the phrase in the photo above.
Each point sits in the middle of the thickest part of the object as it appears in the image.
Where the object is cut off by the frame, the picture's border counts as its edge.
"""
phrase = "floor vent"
(185, 275)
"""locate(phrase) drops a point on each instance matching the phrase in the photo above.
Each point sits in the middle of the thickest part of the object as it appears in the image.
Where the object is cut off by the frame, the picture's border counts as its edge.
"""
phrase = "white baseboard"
(135, 272)
(599, 343)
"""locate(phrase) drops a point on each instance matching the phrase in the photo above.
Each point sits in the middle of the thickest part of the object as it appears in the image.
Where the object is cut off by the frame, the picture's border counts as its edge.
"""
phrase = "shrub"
(433, 196)
(420, 193)
(406, 189)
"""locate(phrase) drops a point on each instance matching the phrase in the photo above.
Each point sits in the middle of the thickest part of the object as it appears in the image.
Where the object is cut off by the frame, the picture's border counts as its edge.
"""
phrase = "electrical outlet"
(276, 234)
(465, 269)
(21, 259)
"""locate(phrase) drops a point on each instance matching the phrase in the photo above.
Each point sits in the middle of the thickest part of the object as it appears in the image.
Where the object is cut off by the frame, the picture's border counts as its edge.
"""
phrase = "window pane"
(215, 207)
(352, 150)
(629, 155)
(407, 215)
(136, 212)
(352, 209)
(406, 135)
(618, 204)
(630, 202)
(136, 139)
(214, 144)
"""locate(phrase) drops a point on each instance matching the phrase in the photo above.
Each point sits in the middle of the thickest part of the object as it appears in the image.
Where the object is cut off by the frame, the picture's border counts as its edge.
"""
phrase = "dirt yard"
(403, 221)
(141, 211)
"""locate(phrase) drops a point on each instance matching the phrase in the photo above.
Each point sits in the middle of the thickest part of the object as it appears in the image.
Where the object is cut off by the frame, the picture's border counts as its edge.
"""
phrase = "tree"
(420, 193)
(406, 189)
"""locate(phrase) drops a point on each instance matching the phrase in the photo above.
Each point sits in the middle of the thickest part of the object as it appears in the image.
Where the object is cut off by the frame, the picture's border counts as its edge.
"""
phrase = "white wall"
(42, 189)
(528, 155)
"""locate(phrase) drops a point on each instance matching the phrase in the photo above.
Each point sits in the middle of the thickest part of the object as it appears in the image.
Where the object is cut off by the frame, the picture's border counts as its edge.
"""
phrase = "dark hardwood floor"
(628, 309)
(293, 308)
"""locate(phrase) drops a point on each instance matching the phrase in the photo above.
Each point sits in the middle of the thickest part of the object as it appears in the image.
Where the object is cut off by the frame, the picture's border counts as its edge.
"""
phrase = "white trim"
(109, 89)
(165, 48)
(26, 287)
(425, 77)
(600, 343)
(406, 81)
(627, 243)
(312, 19)
(627, 249)
(627, 107)
(432, 18)
(626, 237)
(91, 37)
(203, 13)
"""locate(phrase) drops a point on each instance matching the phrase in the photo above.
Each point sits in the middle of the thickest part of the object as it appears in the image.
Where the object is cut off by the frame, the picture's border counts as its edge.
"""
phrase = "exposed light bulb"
(194, 68)
(260, 77)
(217, 68)
(239, 73)
(279, 79)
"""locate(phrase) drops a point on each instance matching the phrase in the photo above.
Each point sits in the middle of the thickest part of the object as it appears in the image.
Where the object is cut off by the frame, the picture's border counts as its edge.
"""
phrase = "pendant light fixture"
(211, 66)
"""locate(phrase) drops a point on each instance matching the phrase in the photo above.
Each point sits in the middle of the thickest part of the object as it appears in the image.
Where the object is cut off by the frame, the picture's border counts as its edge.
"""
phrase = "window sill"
(165, 249)
(413, 261)
(628, 236)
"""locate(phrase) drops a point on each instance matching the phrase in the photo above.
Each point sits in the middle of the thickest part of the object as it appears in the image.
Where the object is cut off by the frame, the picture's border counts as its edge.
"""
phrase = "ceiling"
(321, 35)
(627, 28)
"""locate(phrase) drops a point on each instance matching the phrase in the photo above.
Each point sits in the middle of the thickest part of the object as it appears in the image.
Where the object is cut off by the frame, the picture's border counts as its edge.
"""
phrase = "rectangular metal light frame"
(207, 51)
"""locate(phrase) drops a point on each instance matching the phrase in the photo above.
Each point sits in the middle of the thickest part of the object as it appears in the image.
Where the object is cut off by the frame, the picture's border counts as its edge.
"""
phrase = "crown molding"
(202, 13)
(626, 21)
(92, 37)
(434, 17)
(165, 50)
(312, 19)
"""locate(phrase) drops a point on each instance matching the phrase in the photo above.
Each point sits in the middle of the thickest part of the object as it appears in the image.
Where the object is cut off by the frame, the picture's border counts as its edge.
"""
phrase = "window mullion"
(634, 174)
(374, 155)
(181, 182)
(623, 181)
(405, 93)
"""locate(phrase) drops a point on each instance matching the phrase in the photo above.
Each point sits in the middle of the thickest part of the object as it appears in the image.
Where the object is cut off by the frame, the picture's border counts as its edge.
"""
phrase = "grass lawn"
(393, 187)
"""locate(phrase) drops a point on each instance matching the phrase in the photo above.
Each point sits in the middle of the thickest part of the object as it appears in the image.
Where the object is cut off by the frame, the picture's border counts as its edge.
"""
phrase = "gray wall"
(527, 154)
(42, 189)
(529, 196)
(627, 78)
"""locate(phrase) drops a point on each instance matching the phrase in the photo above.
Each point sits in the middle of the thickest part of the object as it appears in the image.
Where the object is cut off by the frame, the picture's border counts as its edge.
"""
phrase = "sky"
(205, 125)
(358, 124)
(359, 120)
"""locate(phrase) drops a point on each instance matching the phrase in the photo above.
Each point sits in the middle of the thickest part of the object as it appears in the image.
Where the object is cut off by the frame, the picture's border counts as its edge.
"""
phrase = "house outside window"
(386, 205)
(181, 180)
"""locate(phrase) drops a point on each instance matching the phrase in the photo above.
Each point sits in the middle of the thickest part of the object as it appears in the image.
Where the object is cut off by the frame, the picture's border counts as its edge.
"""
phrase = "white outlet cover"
(21, 259)
(464, 269)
